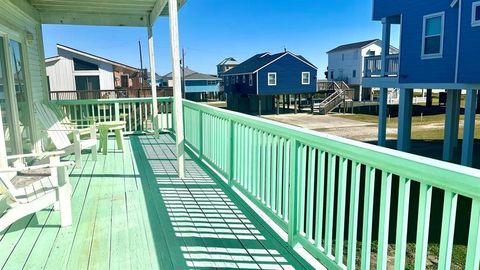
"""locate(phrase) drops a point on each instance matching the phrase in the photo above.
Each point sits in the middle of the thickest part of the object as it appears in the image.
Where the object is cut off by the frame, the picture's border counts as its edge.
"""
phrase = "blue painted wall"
(240, 87)
(199, 86)
(469, 60)
(289, 77)
(414, 69)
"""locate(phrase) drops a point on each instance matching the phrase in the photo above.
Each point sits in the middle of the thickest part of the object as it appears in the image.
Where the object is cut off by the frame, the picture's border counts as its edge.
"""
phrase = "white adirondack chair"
(59, 132)
(25, 190)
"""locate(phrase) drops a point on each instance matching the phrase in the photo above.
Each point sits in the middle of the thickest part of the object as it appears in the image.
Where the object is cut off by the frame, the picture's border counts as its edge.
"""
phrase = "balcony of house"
(376, 74)
(257, 194)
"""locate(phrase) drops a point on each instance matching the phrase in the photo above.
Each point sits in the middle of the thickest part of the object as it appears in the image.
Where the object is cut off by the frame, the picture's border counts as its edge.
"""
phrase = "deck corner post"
(292, 197)
(177, 86)
(450, 140)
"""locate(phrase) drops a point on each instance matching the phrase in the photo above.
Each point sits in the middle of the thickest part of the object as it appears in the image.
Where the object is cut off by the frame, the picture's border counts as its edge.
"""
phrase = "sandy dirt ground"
(347, 128)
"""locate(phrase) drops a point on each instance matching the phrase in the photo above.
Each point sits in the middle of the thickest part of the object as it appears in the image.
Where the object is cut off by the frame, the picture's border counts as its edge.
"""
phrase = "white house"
(345, 63)
(75, 70)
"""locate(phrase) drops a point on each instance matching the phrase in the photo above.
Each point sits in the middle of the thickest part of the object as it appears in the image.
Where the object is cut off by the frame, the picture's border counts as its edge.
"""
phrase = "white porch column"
(382, 117)
(452, 116)
(153, 80)
(469, 127)
(405, 120)
(177, 86)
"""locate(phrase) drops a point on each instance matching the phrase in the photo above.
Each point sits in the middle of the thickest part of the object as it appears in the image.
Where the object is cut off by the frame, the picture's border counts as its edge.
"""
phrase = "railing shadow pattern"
(203, 225)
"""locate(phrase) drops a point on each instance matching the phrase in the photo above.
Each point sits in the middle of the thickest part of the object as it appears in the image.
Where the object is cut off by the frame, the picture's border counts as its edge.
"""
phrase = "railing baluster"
(268, 165)
(288, 156)
(320, 198)
(273, 174)
(424, 207)
(402, 223)
(367, 217)
(448, 229)
(353, 216)
(385, 199)
(293, 199)
(341, 201)
(473, 246)
(310, 191)
(330, 204)
(302, 159)
(280, 176)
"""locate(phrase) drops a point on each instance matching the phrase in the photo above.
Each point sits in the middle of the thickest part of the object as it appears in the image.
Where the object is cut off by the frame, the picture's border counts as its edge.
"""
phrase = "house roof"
(356, 45)
(111, 13)
(194, 75)
(91, 56)
(228, 61)
(360, 45)
(258, 61)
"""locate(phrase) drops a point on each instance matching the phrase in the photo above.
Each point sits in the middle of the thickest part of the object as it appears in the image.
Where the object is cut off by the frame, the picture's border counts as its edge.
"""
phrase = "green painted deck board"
(131, 211)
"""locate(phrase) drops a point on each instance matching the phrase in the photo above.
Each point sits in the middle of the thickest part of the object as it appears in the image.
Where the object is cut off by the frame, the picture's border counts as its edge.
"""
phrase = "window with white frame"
(305, 77)
(250, 79)
(272, 78)
(227, 80)
(236, 79)
(432, 40)
(243, 78)
(476, 13)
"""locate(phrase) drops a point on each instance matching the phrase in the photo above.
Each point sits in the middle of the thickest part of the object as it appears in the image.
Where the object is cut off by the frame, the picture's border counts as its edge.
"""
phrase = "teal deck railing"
(340, 199)
(136, 112)
(328, 193)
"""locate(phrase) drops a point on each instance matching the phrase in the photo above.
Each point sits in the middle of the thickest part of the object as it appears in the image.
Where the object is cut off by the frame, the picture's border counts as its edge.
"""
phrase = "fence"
(328, 193)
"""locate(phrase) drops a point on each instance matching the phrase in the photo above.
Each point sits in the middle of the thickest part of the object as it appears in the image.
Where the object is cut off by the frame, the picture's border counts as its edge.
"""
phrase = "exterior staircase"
(342, 93)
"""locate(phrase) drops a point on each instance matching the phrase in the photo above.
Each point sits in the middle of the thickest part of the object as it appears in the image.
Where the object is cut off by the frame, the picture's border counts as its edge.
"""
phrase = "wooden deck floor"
(131, 212)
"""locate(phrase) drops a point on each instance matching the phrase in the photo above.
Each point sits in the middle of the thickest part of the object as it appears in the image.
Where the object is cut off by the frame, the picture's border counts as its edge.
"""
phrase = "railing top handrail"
(447, 176)
(107, 101)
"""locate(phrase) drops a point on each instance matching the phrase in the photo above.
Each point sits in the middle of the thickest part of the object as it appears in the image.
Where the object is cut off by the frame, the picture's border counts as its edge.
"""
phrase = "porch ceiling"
(105, 12)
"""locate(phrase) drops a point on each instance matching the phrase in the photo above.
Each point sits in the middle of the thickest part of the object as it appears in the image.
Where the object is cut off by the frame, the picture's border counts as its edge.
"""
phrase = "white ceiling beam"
(140, 2)
(157, 10)
(93, 19)
(27, 9)
(90, 5)
(98, 11)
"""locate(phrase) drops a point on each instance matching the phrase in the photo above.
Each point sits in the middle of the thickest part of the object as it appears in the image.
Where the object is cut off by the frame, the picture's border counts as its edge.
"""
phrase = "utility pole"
(141, 64)
(183, 72)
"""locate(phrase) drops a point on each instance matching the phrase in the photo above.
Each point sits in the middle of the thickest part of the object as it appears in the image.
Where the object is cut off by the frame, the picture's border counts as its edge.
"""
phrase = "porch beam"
(177, 86)
(452, 116)
(469, 127)
(157, 10)
(153, 80)
(405, 120)
(93, 19)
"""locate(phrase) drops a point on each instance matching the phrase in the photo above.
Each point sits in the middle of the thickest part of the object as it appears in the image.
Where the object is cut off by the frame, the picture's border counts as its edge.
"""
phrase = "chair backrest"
(49, 120)
(7, 189)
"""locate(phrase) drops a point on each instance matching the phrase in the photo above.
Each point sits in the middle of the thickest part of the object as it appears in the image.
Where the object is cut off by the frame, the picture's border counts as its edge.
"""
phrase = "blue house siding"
(240, 87)
(289, 77)
(469, 60)
(414, 69)
(200, 88)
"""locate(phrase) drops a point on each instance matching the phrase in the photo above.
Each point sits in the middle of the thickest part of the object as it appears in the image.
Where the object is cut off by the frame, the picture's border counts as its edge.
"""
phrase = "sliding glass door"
(21, 95)
(5, 104)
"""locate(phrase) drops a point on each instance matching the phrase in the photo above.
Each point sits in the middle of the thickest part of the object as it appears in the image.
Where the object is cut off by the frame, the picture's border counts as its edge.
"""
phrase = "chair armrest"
(41, 154)
(93, 132)
(36, 167)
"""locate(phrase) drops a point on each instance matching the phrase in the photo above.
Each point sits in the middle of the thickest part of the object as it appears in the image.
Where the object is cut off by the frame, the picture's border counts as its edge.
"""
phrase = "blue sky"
(211, 30)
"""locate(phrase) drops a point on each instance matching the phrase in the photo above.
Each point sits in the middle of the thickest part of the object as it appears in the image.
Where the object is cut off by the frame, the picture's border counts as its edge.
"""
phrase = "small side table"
(104, 127)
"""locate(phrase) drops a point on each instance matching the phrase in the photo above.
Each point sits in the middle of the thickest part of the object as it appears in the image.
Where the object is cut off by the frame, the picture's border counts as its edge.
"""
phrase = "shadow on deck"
(131, 211)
